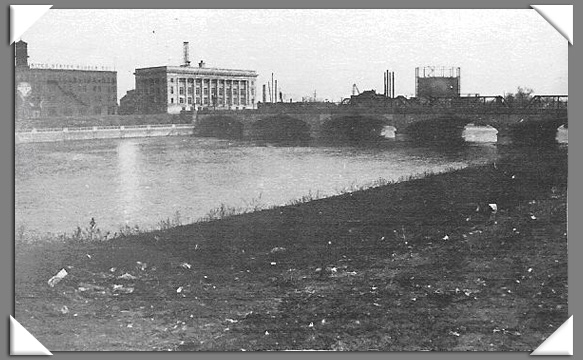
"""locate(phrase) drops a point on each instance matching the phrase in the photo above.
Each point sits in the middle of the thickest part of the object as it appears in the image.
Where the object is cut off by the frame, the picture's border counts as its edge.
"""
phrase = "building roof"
(197, 70)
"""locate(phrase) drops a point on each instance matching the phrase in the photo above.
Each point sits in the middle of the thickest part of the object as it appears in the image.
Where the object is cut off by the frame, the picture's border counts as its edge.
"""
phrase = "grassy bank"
(419, 265)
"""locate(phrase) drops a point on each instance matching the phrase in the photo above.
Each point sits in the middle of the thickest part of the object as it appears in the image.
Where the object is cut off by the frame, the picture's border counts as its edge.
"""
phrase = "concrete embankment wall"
(101, 121)
(101, 132)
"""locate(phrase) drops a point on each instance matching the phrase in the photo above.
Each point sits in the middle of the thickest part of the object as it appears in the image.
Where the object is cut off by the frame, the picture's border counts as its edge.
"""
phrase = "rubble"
(57, 278)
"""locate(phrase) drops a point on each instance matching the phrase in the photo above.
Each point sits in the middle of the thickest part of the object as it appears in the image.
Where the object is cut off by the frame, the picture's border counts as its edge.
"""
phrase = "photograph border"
(7, 180)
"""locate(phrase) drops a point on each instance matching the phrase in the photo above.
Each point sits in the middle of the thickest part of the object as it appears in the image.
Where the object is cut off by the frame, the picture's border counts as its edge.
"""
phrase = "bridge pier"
(504, 136)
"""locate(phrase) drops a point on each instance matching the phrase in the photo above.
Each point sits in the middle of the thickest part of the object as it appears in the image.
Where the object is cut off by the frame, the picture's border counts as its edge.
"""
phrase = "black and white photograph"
(230, 180)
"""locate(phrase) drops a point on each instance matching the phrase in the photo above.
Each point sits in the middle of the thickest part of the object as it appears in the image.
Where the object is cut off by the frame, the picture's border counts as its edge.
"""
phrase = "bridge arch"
(352, 128)
(480, 133)
(219, 126)
(537, 133)
(563, 134)
(443, 129)
(280, 128)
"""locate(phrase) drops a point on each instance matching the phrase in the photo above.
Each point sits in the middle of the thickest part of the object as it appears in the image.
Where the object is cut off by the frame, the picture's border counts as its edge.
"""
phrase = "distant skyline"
(315, 50)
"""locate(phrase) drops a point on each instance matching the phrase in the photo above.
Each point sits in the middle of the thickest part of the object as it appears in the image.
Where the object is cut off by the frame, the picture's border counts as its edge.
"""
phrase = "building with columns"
(172, 89)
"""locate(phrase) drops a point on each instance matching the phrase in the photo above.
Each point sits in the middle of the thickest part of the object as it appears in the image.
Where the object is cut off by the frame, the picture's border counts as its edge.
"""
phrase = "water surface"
(141, 181)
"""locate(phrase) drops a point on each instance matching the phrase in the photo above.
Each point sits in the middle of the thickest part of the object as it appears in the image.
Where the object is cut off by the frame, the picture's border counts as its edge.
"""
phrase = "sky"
(315, 50)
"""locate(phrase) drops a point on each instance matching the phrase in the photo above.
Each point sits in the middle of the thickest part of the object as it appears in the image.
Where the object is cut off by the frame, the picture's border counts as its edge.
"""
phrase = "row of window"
(67, 78)
(242, 82)
(97, 110)
(206, 91)
(84, 98)
(206, 101)
(51, 86)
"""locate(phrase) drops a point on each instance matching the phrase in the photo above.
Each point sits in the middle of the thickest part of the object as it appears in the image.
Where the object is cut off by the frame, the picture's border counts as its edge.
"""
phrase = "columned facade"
(174, 89)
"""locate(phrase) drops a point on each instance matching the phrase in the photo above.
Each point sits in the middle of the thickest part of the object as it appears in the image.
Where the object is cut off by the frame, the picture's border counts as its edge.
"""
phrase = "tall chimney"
(264, 94)
(389, 84)
(393, 84)
(21, 54)
(385, 83)
(185, 51)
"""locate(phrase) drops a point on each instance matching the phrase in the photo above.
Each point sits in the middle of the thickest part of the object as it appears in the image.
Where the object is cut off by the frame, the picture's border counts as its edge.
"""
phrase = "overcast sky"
(309, 50)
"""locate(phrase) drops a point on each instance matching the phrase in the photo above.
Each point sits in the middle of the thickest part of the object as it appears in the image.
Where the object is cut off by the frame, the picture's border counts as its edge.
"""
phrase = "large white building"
(172, 89)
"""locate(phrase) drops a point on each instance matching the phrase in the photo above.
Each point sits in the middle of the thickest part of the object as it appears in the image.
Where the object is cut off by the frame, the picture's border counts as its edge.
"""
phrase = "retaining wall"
(101, 132)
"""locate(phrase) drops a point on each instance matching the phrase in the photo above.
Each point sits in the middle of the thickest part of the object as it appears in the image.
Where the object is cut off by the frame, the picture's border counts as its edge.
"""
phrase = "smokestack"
(385, 91)
(185, 51)
(393, 84)
(264, 94)
(275, 91)
(389, 84)
(21, 54)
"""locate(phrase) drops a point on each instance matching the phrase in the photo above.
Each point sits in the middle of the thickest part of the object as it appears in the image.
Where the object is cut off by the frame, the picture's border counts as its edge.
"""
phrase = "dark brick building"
(61, 90)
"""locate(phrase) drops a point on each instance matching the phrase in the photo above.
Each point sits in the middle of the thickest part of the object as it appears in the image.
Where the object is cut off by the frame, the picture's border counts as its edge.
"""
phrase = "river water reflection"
(141, 181)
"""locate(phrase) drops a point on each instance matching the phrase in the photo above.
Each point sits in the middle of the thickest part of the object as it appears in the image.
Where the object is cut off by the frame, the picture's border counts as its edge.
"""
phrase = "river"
(142, 181)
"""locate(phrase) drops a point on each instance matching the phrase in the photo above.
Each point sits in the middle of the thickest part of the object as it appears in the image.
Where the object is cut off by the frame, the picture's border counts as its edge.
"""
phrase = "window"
(181, 91)
(182, 100)
(171, 89)
(189, 100)
(171, 100)
(171, 80)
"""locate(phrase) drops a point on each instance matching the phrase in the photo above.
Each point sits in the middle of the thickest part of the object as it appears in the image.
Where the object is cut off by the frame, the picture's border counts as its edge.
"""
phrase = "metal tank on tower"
(437, 82)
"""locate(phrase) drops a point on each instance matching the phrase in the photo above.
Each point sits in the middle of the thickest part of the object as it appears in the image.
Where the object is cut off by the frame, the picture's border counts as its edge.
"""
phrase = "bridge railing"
(477, 104)
(401, 105)
(548, 102)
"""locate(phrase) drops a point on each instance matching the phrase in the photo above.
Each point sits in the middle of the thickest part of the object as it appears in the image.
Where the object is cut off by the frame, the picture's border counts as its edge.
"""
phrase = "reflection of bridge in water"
(425, 120)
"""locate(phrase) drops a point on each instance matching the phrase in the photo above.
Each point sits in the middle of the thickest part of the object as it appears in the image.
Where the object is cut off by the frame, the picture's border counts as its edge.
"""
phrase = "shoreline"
(415, 265)
(221, 212)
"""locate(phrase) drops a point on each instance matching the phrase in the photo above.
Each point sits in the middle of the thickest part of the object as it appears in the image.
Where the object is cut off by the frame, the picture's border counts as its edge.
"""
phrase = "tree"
(520, 98)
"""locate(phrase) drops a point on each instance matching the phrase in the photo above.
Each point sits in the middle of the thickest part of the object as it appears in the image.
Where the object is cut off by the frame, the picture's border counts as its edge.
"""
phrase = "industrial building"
(174, 89)
(61, 90)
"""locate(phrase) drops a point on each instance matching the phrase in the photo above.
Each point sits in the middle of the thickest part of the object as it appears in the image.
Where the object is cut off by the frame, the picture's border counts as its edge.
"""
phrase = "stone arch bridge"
(535, 123)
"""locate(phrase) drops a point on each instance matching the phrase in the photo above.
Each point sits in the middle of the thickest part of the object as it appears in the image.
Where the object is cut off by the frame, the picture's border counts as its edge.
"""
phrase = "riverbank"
(419, 265)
